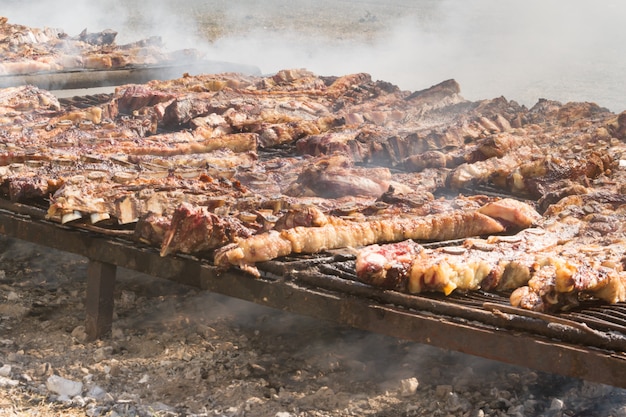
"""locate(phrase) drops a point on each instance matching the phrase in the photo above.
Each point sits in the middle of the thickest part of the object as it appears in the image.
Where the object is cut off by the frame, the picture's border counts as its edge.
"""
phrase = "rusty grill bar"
(589, 343)
(84, 78)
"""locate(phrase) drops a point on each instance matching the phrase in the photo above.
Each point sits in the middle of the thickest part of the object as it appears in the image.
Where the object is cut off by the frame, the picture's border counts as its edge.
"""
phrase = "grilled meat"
(548, 268)
(338, 233)
(195, 229)
(495, 263)
(335, 176)
(249, 168)
(26, 50)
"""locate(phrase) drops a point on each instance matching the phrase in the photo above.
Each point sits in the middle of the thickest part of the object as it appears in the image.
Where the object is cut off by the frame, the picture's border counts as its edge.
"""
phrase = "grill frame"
(489, 330)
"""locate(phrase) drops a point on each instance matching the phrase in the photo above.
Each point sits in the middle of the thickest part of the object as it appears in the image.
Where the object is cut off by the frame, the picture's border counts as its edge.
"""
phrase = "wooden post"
(99, 300)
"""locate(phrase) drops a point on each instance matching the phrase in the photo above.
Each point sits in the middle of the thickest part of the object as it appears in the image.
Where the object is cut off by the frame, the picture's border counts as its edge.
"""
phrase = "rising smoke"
(561, 49)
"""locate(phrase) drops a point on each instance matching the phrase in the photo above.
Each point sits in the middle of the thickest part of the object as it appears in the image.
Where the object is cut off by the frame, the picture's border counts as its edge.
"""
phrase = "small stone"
(505, 394)
(516, 410)
(8, 382)
(113, 367)
(530, 403)
(204, 330)
(257, 370)
(96, 392)
(144, 379)
(184, 355)
(63, 387)
(620, 411)
(251, 402)
(102, 353)
(159, 407)
(195, 373)
(5, 370)
(6, 342)
(408, 387)
(593, 390)
(13, 296)
(514, 378)
(283, 414)
(442, 391)
(529, 378)
(95, 411)
(117, 333)
(456, 403)
(79, 334)
(127, 299)
(556, 404)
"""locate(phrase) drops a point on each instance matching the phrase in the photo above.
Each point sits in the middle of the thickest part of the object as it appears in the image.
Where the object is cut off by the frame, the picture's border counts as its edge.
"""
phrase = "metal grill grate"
(590, 324)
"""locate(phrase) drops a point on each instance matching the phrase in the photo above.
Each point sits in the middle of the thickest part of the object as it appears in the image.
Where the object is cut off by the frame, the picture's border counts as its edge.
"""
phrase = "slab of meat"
(479, 264)
(338, 233)
(589, 263)
(546, 268)
(498, 263)
(195, 229)
(336, 176)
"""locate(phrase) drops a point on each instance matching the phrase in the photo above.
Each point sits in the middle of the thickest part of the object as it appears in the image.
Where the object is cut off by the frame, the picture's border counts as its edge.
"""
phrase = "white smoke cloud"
(562, 50)
(132, 20)
(567, 50)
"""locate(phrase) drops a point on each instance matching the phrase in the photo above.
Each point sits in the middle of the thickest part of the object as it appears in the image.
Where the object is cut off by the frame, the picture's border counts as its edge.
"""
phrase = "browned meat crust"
(338, 233)
(549, 268)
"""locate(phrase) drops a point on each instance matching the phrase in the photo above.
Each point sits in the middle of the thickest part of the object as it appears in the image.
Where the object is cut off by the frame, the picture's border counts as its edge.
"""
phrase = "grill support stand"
(99, 300)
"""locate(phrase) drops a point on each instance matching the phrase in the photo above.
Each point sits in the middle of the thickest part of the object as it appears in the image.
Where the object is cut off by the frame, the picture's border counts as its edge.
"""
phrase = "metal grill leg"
(99, 302)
